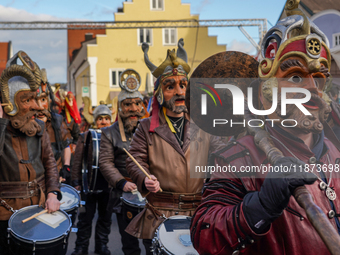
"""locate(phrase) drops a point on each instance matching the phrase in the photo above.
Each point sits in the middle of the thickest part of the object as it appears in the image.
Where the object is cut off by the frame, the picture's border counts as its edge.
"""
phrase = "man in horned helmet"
(161, 145)
(96, 196)
(60, 136)
(112, 156)
(257, 214)
(28, 168)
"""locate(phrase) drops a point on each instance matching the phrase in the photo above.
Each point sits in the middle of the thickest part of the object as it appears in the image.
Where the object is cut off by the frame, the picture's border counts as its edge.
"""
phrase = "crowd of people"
(133, 157)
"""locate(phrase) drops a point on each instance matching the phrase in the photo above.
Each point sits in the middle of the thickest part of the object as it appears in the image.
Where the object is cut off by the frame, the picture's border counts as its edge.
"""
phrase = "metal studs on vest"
(331, 214)
(322, 185)
(330, 193)
(236, 252)
(312, 160)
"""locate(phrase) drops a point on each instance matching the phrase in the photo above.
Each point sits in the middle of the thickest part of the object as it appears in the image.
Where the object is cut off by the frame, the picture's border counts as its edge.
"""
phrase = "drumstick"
(4, 104)
(36, 215)
(140, 167)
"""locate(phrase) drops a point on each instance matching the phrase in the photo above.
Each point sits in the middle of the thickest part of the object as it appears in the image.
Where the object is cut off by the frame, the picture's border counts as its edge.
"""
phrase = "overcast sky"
(49, 48)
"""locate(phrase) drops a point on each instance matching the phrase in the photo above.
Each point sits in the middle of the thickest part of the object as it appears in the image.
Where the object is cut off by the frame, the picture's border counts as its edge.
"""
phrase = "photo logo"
(204, 97)
(218, 106)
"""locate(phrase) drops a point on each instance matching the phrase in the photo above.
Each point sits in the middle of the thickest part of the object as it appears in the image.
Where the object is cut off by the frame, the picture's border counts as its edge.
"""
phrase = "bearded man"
(256, 213)
(161, 145)
(28, 168)
(60, 136)
(112, 156)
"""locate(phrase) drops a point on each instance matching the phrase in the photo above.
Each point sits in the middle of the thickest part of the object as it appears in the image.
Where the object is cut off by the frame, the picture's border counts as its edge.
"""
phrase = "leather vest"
(12, 159)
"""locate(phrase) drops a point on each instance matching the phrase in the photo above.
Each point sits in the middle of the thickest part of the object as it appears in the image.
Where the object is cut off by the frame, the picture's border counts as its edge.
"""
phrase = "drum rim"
(127, 202)
(43, 241)
(161, 245)
(79, 198)
(88, 188)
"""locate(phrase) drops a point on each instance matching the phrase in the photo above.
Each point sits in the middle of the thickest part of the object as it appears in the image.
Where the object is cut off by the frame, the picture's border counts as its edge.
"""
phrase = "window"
(157, 5)
(144, 35)
(114, 77)
(169, 36)
(336, 40)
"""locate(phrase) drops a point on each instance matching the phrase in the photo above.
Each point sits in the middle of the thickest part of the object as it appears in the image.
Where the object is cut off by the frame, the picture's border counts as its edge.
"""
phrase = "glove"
(66, 174)
(262, 207)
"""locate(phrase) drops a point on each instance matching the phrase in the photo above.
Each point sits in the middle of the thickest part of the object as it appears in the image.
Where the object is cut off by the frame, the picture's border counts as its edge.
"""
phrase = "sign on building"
(86, 92)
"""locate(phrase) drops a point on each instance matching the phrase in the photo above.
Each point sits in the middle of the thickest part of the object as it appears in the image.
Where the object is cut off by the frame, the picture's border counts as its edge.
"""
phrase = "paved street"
(114, 244)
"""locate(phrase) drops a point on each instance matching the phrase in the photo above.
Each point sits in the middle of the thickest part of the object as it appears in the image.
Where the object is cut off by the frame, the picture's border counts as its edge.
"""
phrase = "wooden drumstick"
(140, 167)
(36, 215)
(4, 104)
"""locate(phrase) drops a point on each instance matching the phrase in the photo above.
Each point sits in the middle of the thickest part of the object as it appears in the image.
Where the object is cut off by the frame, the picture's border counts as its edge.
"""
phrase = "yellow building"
(96, 66)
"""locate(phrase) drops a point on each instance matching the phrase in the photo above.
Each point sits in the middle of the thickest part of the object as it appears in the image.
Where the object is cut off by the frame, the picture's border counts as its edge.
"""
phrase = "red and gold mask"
(295, 53)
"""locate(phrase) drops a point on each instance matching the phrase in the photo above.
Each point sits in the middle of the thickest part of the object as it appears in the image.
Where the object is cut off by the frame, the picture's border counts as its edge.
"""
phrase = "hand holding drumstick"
(150, 181)
(37, 214)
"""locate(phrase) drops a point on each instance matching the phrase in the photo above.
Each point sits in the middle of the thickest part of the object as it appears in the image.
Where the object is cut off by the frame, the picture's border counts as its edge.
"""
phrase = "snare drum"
(173, 237)
(133, 203)
(45, 234)
(92, 178)
(71, 199)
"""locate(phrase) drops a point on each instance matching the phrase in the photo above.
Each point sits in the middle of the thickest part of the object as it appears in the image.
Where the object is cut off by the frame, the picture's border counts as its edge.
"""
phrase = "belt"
(22, 189)
(175, 201)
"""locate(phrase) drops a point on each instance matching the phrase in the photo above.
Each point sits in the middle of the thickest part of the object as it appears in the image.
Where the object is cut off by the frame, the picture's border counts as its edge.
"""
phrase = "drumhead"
(46, 228)
(70, 198)
(134, 199)
(174, 236)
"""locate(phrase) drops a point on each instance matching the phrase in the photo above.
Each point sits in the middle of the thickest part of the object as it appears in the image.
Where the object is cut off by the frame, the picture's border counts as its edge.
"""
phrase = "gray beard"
(170, 104)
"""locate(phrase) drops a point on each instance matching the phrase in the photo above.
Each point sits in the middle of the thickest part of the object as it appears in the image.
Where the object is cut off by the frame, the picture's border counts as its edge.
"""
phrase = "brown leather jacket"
(76, 173)
(25, 159)
(112, 156)
(161, 155)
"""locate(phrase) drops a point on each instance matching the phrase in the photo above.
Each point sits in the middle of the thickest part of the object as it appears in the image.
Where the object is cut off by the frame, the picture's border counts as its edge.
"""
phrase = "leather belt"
(22, 189)
(175, 201)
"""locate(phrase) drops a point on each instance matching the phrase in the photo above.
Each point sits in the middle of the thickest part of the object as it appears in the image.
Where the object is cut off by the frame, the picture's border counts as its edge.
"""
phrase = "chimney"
(88, 36)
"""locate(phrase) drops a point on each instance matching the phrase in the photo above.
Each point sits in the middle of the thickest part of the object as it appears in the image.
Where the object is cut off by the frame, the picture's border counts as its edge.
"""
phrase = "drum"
(71, 199)
(173, 237)
(45, 234)
(92, 178)
(133, 203)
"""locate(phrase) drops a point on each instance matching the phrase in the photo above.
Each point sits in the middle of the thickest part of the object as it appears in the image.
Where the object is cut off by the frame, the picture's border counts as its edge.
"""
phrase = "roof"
(312, 7)
(76, 36)
(4, 54)
(320, 5)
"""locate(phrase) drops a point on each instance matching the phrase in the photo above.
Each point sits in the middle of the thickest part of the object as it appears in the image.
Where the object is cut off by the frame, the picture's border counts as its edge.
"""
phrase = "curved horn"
(43, 75)
(145, 48)
(87, 112)
(37, 74)
(8, 73)
(181, 53)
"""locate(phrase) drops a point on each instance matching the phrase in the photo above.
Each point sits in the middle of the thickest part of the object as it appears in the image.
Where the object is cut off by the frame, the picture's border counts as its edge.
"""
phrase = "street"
(114, 244)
